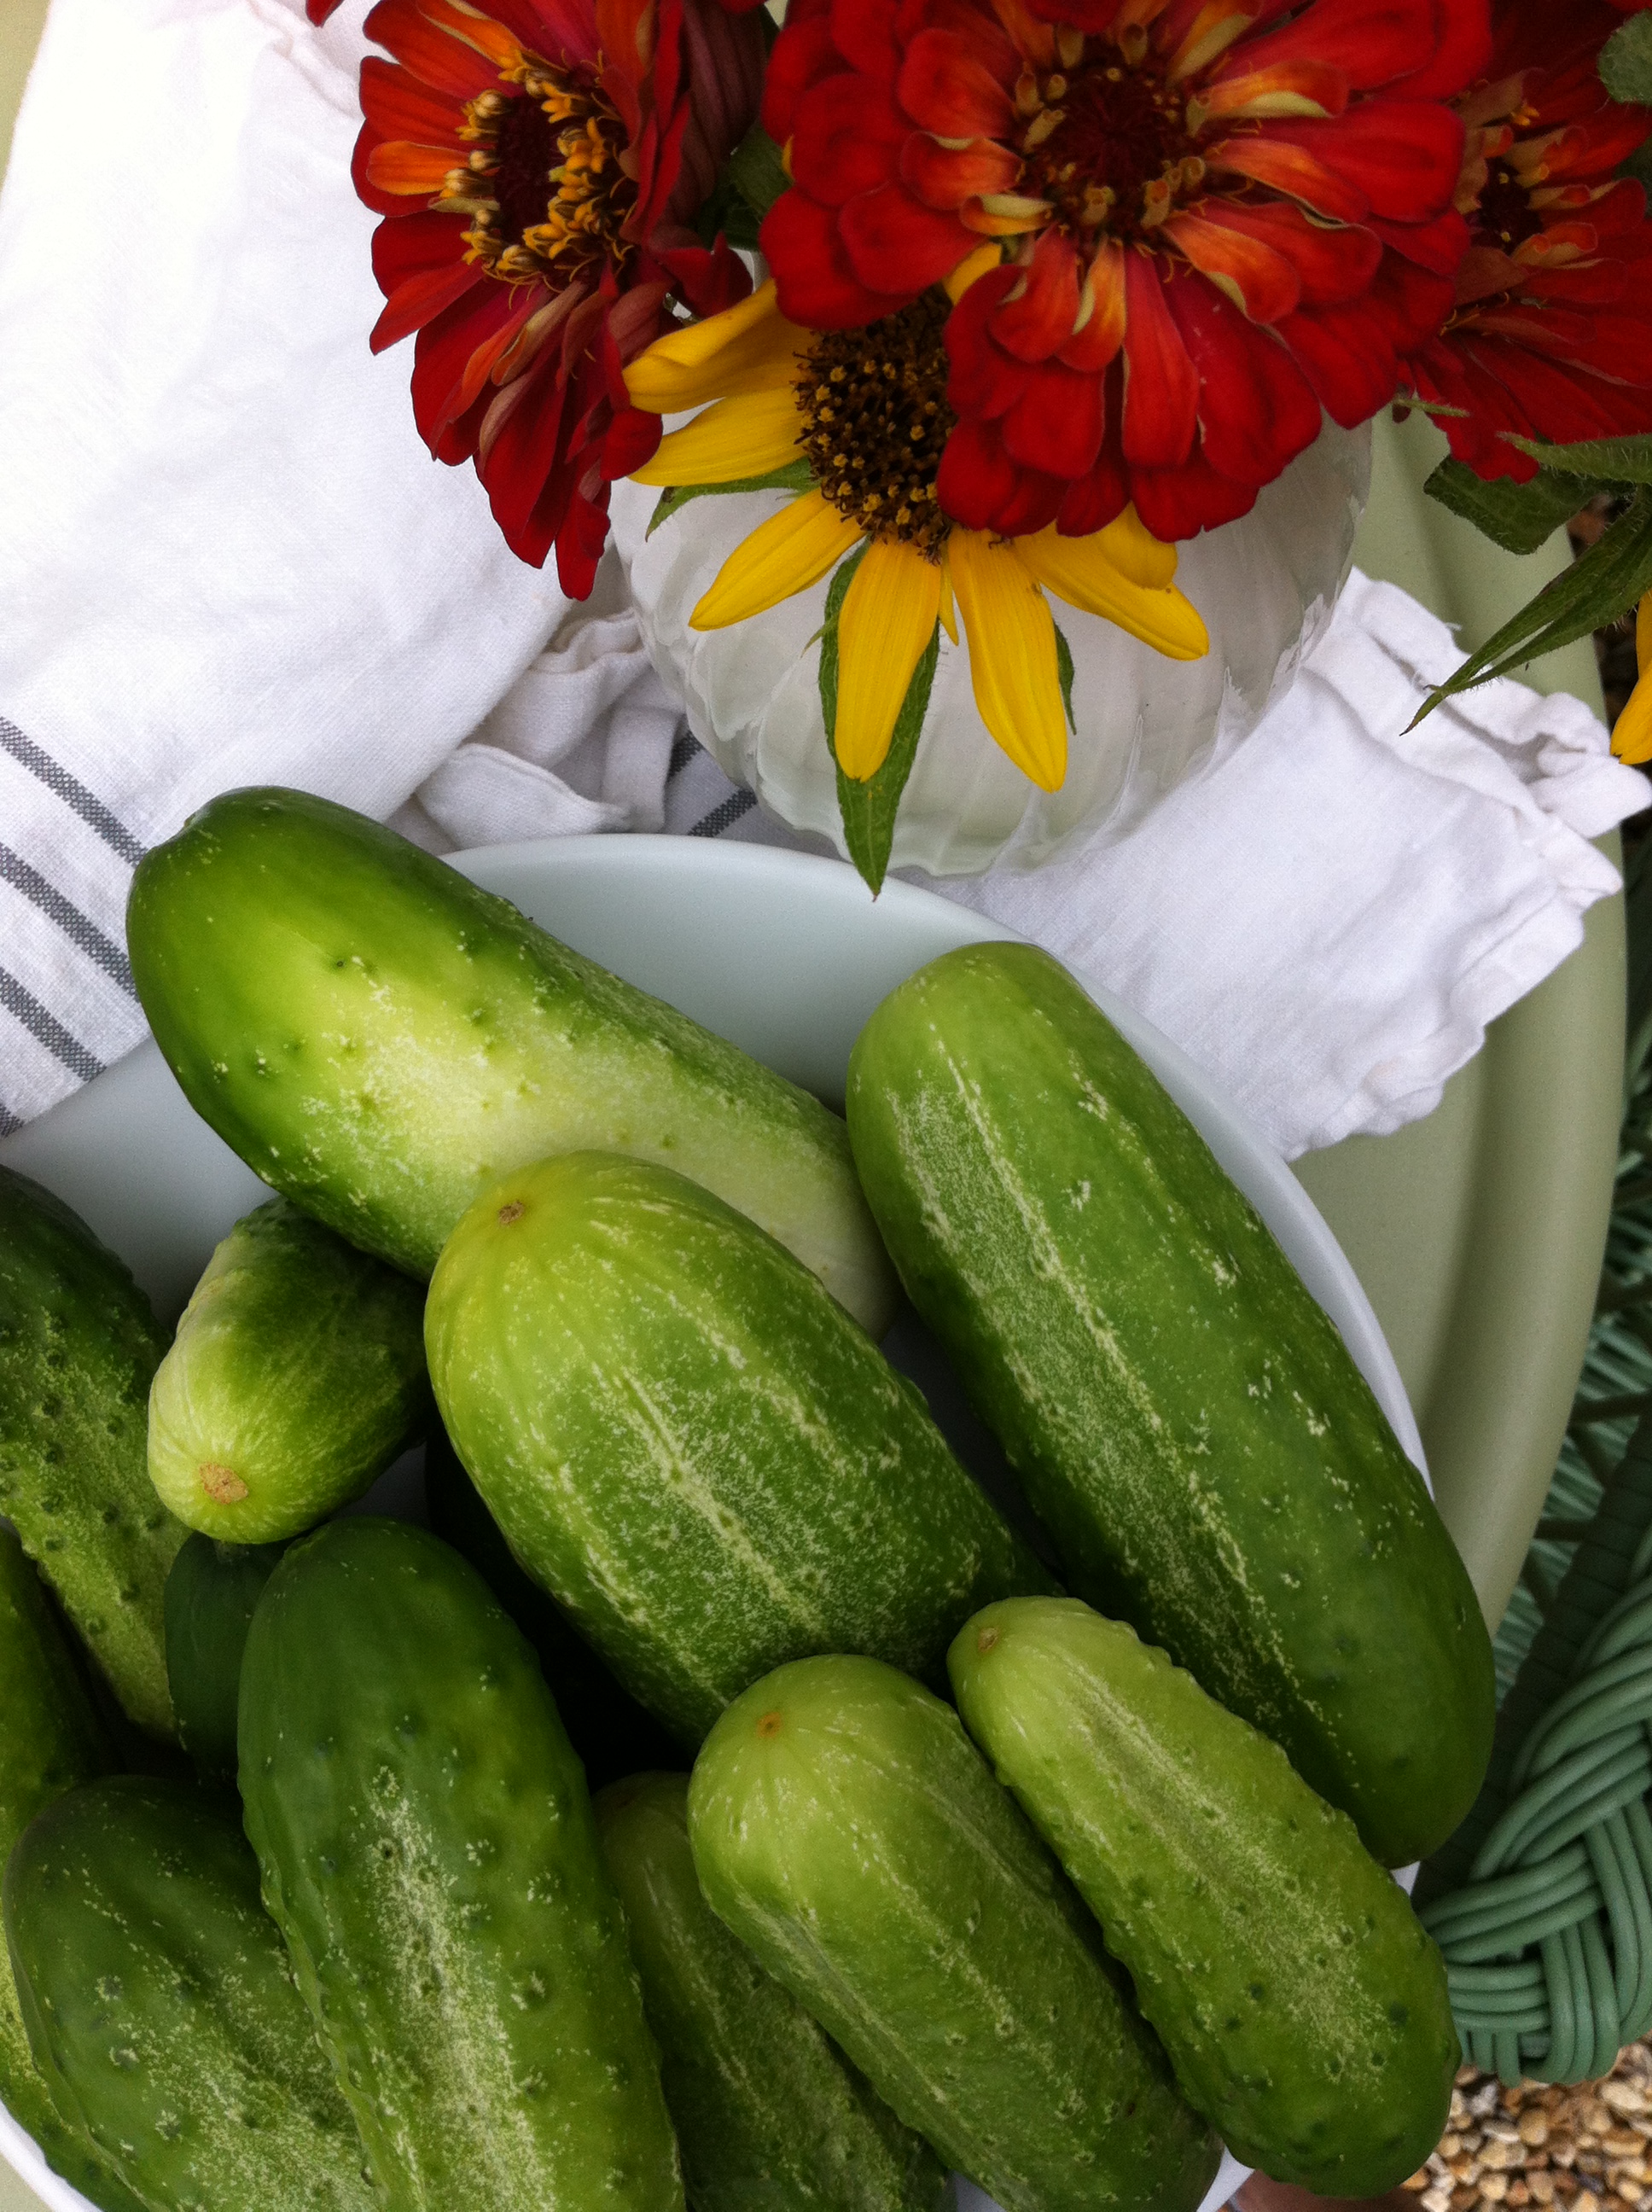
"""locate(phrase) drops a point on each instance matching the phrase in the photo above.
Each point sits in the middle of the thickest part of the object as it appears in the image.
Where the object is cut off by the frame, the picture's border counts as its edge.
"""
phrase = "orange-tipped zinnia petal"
(750, 347)
(744, 437)
(1012, 661)
(787, 554)
(888, 619)
(1078, 570)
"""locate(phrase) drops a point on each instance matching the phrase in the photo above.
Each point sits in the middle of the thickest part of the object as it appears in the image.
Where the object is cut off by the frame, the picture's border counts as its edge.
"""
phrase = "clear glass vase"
(1265, 585)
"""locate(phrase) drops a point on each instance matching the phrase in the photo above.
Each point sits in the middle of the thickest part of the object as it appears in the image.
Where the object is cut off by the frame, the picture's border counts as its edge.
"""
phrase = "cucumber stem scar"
(221, 1483)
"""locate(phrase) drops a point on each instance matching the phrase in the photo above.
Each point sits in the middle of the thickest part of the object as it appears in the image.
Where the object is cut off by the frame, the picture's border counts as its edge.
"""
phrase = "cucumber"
(769, 2114)
(296, 1375)
(379, 1039)
(1187, 1422)
(429, 1853)
(78, 1347)
(161, 2007)
(612, 1734)
(212, 1593)
(50, 1739)
(1303, 2008)
(687, 1441)
(848, 1832)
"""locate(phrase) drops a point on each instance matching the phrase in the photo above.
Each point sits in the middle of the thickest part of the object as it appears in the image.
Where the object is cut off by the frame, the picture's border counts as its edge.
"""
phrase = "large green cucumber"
(429, 1853)
(1187, 1420)
(692, 1445)
(296, 1375)
(613, 1735)
(849, 1833)
(78, 1348)
(769, 2114)
(161, 2006)
(1304, 2009)
(212, 1593)
(50, 1739)
(379, 1039)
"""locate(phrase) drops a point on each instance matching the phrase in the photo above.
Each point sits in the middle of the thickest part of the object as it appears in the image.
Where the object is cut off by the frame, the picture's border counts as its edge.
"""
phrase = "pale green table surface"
(1477, 1232)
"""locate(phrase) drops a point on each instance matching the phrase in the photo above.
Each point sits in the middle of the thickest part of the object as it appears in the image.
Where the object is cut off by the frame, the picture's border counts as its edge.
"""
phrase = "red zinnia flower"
(1551, 332)
(539, 166)
(1220, 216)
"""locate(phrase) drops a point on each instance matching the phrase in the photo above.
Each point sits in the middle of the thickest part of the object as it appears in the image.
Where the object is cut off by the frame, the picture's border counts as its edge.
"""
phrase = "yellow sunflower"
(866, 409)
(1632, 734)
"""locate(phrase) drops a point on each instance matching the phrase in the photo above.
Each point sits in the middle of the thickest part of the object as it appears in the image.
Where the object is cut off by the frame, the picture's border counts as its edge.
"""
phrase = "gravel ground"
(1581, 2147)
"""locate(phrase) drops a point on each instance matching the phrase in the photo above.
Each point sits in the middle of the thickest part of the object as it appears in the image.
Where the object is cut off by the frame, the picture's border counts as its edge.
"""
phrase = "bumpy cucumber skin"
(296, 1375)
(692, 1446)
(211, 1595)
(161, 2006)
(849, 1833)
(379, 1039)
(1187, 1420)
(50, 1739)
(1304, 2007)
(612, 1733)
(769, 2115)
(78, 1347)
(429, 1853)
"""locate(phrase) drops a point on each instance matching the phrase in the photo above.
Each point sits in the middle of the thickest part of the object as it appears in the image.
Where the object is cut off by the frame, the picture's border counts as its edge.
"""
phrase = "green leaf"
(869, 809)
(1625, 64)
(1608, 579)
(795, 476)
(1637, 165)
(1603, 461)
(757, 172)
(1521, 517)
(748, 184)
(1064, 671)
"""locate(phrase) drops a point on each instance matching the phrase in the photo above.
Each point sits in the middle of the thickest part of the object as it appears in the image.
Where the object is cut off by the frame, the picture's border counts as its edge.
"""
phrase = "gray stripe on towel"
(72, 792)
(684, 746)
(48, 1028)
(726, 815)
(10, 1124)
(76, 925)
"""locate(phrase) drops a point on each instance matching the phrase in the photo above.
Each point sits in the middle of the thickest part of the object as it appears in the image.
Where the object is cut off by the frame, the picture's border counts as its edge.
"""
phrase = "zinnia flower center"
(1507, 216)
(1108, 144)
(875, 421)
(549, 188)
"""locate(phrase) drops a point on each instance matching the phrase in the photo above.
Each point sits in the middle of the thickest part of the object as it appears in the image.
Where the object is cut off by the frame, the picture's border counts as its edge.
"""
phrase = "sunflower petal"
(1134, 551)
(1632, 734)
(750, 347)
(1078, 570)
(787, 554)
(1013, 660)
(744, 437)
(889, 618)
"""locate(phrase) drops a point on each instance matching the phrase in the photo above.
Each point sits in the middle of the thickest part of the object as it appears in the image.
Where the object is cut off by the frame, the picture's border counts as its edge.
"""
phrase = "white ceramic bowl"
(783, 953)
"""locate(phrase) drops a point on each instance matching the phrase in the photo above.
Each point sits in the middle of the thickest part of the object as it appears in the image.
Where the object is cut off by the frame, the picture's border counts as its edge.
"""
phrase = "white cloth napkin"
(225, 558)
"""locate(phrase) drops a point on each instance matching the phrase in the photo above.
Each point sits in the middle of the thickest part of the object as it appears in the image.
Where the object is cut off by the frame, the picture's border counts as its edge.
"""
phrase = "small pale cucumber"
(849, 1833)
(769, 2114)
(296, 1375)
(161, 2007)
(211, 1594)
(78, 1348)
(1303, 2008)
(613, 1735)
(687, 1442)
(380, 1040)
(429, 1853)
(1187, 1420)
(51, 1739)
